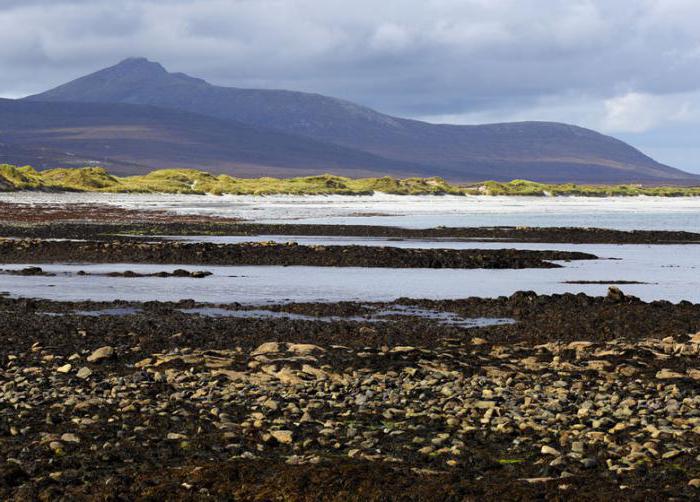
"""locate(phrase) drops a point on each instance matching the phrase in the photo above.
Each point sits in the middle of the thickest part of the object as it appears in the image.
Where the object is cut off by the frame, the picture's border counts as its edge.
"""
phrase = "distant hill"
(133, 139)
(541, 151)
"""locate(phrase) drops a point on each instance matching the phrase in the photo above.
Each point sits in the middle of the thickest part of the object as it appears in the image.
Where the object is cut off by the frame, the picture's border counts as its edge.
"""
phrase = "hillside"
(542, 151)
(132, 139)
(191, 181)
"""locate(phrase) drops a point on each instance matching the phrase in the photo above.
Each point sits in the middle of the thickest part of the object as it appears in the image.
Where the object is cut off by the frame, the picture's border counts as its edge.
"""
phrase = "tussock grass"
(192, 181)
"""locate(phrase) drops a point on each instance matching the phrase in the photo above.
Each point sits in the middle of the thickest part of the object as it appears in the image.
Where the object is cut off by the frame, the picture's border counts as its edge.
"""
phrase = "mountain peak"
(529, 150)
(138, 65)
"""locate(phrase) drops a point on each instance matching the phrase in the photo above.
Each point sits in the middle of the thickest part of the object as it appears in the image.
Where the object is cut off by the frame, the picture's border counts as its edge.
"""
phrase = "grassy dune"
(191, 181)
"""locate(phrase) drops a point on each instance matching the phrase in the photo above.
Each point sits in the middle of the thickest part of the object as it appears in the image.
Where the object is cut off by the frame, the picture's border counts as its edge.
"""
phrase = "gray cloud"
(624, 67)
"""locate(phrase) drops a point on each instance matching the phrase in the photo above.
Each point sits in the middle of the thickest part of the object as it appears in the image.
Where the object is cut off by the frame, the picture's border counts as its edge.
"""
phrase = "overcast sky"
(630, 68)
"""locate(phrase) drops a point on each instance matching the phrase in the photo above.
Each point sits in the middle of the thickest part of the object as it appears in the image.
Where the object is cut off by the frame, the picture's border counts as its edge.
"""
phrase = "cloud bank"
(626, 68)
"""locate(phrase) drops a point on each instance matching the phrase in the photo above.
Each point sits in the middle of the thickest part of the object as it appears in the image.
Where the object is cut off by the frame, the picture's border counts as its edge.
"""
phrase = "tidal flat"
(168, 353)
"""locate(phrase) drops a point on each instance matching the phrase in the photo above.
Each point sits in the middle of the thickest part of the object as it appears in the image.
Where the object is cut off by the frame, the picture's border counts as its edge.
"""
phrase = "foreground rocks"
(246, 409)
(271, 253)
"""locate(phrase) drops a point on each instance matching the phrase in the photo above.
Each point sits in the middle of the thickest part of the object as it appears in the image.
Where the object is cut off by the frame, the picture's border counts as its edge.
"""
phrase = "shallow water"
(671, 271)
(447, 318)
(387, 315)
(626, 213)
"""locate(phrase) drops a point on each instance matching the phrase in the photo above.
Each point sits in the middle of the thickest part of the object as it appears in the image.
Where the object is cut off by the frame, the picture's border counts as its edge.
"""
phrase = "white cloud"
(640, 112)
(617, 65)
(390, 37)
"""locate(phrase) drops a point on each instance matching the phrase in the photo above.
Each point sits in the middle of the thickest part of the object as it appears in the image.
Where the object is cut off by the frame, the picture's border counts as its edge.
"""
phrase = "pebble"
(101, 354)
(282, 436)
(548, 450)
(69, 437)
(84, 372)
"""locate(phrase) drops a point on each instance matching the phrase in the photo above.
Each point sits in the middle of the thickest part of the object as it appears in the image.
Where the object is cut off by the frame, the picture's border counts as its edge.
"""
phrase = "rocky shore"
(567, 397)
(38, 271)
(581, 399)
(164, 224)
(271, 253)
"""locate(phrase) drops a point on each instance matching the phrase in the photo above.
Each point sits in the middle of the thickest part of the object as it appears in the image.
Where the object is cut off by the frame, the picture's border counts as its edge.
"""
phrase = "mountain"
(133, 139)
(542, 151)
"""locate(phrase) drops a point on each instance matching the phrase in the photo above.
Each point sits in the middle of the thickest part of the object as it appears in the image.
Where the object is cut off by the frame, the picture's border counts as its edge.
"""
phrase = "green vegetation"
(531, 188)
(19, 178)
(192, 181)
(509, 461)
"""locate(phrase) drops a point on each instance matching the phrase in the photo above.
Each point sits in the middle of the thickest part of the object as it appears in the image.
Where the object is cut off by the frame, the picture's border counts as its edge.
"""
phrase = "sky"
(629, 68)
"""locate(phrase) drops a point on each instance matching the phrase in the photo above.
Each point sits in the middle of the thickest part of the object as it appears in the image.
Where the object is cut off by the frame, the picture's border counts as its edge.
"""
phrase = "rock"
(282, 436)
(615, 295)
(548, 450)
(84, 372)
(695, 483)
(144, 362)
(626, 370)
(589, 463)
(69, 437)
(64, 369)
(56, 446)
(267, 348)
(533, 481)
(304, 349)
(579, 345)
(288, 377)
(666, 374)
(174, 436)
(695, 338)
(101, 354)
(271, 404)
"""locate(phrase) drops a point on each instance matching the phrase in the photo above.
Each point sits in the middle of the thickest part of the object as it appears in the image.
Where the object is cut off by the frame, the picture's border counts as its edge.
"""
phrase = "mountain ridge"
(543, 151)
(132, 139)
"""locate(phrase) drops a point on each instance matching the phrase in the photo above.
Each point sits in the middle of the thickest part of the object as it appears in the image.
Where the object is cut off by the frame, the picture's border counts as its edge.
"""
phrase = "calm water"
(626, 213)
(673, 273)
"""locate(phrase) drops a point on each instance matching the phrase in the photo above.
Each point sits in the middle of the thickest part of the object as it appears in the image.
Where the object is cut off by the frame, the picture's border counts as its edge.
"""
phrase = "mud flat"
(581, 398)
(271, 253)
